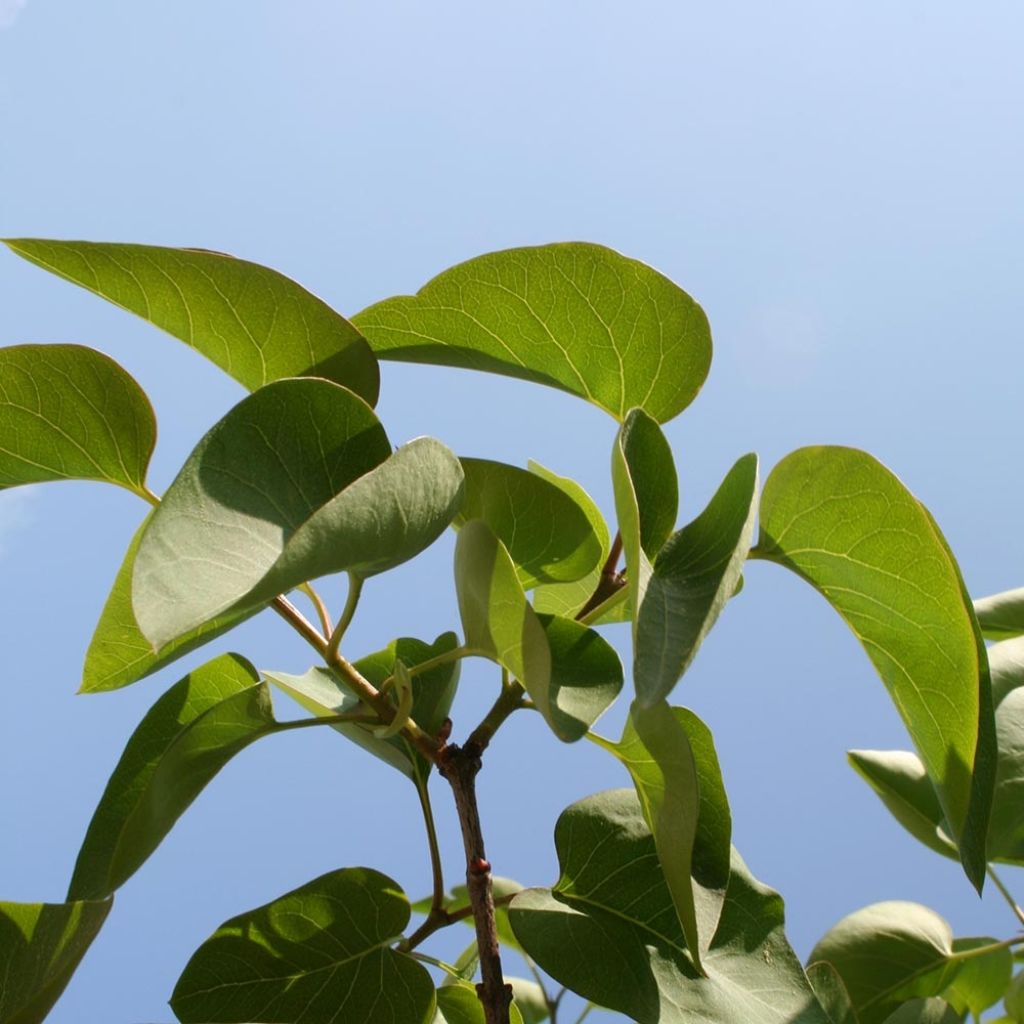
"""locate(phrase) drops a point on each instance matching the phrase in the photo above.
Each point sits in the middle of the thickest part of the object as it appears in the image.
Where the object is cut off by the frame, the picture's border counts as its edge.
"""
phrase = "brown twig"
(609, 582)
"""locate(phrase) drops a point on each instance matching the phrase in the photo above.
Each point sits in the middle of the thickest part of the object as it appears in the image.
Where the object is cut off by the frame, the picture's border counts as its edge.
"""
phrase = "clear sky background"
(838, 184)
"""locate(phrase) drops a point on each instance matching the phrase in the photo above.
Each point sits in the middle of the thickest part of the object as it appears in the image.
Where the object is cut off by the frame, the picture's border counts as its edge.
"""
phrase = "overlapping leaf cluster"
(654, 914)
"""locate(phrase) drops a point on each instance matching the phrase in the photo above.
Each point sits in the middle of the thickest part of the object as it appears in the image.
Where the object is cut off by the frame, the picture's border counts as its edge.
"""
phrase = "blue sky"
(838, 184)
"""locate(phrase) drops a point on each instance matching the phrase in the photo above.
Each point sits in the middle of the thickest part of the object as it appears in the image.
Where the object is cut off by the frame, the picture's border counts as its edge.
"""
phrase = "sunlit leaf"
(831, 993)
(1006, 664)
(608, 930)
(41, 944)
(71, 413)
(296, 482)
(459, 1004)
(546, 532)
(1001, 616)
(843, 522)
(188, 735)
(253, 322)
(981, 982)
(320, 953)
(1013, 1001)
(574, 316)
(1006, 826)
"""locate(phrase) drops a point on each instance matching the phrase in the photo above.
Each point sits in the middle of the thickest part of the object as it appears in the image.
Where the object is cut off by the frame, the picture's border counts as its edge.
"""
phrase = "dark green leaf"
(321, 953)
(843, 522)
(294, 483)
(41, 944)
(981, 982)
(254, 323)
(925, 1011)
(320, 692)
(119, 654)
(1001, 616)
(831, 993)
(70, 413)
(888, 953)
(188, 735)
(546, 532)
(609, 931)
(901, 782)
(1006, 664)
(574, 316)
(695, 574)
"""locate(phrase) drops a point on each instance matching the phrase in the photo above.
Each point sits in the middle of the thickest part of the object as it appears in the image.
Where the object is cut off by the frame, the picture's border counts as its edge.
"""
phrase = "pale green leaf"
(695, 574)
(320, 953)
(41, 944)
(459, 1004)
(1001, 616)
(458, 899)
(547, 533)
(979, 983)
(831, 993)
(294, 483)
(1013, 1001)
(887, 953)
(843, 522)
(254, 323)
(925, 1011)
(529, 1000)
(1006, 664)
(71, 413)
(188, 735)
(608, 930)
(572, 315)
(1006, 826)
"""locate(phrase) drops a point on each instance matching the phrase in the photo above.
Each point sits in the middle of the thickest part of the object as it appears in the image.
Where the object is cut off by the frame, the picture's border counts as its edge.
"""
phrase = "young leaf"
(695, 574)
(118, 653)
(574, 316)
(188, 735)
(459, 1004)
(253, 322)
(71, 413)
(981, 982)
(925, 1011)
(888, 953)
(901, 782)
(843, 522)
(831, 993)
(1001, 616)
(319, 953)
(320, 692)
(41, 944)
(547, 533)
(670, 755)
(294, 483)
(608, 930)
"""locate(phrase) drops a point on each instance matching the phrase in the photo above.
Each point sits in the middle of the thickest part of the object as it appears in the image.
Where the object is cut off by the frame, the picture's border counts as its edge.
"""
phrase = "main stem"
(460, 766)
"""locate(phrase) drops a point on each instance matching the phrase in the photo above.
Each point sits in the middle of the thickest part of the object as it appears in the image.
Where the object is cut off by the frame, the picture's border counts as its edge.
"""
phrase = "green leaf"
(887, 953)
(981, 982)
(41, 944)
(608, 930)
(188, 735)
(1006, 826)
(924, 1011)
(529, 1000)
(70, 413)
(695, 574)
(567, 599)
(119, 654)
(572, 315)
(1006, 664)
(1013, 1001)
(844, 523)
(546, 532)
(901, 782)
(253, 322)
(320, 953)
(459, 1004)
(294, 483)
(831, 993)
(1001, 616)
(322, 693)
(670, 755)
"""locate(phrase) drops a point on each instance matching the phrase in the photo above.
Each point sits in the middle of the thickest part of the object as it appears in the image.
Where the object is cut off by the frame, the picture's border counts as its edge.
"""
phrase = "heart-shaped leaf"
(695, 574)
(549, 536)
(1001, 616)
(843, 522)
(574, 316)
(71, 413)
(41, 944)
(254, 323)
(188, 735)
(320, 692)
(119, 654)
(294, 483)
(981, 982)
(608, 930)
(888, 953)
(320, 953)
